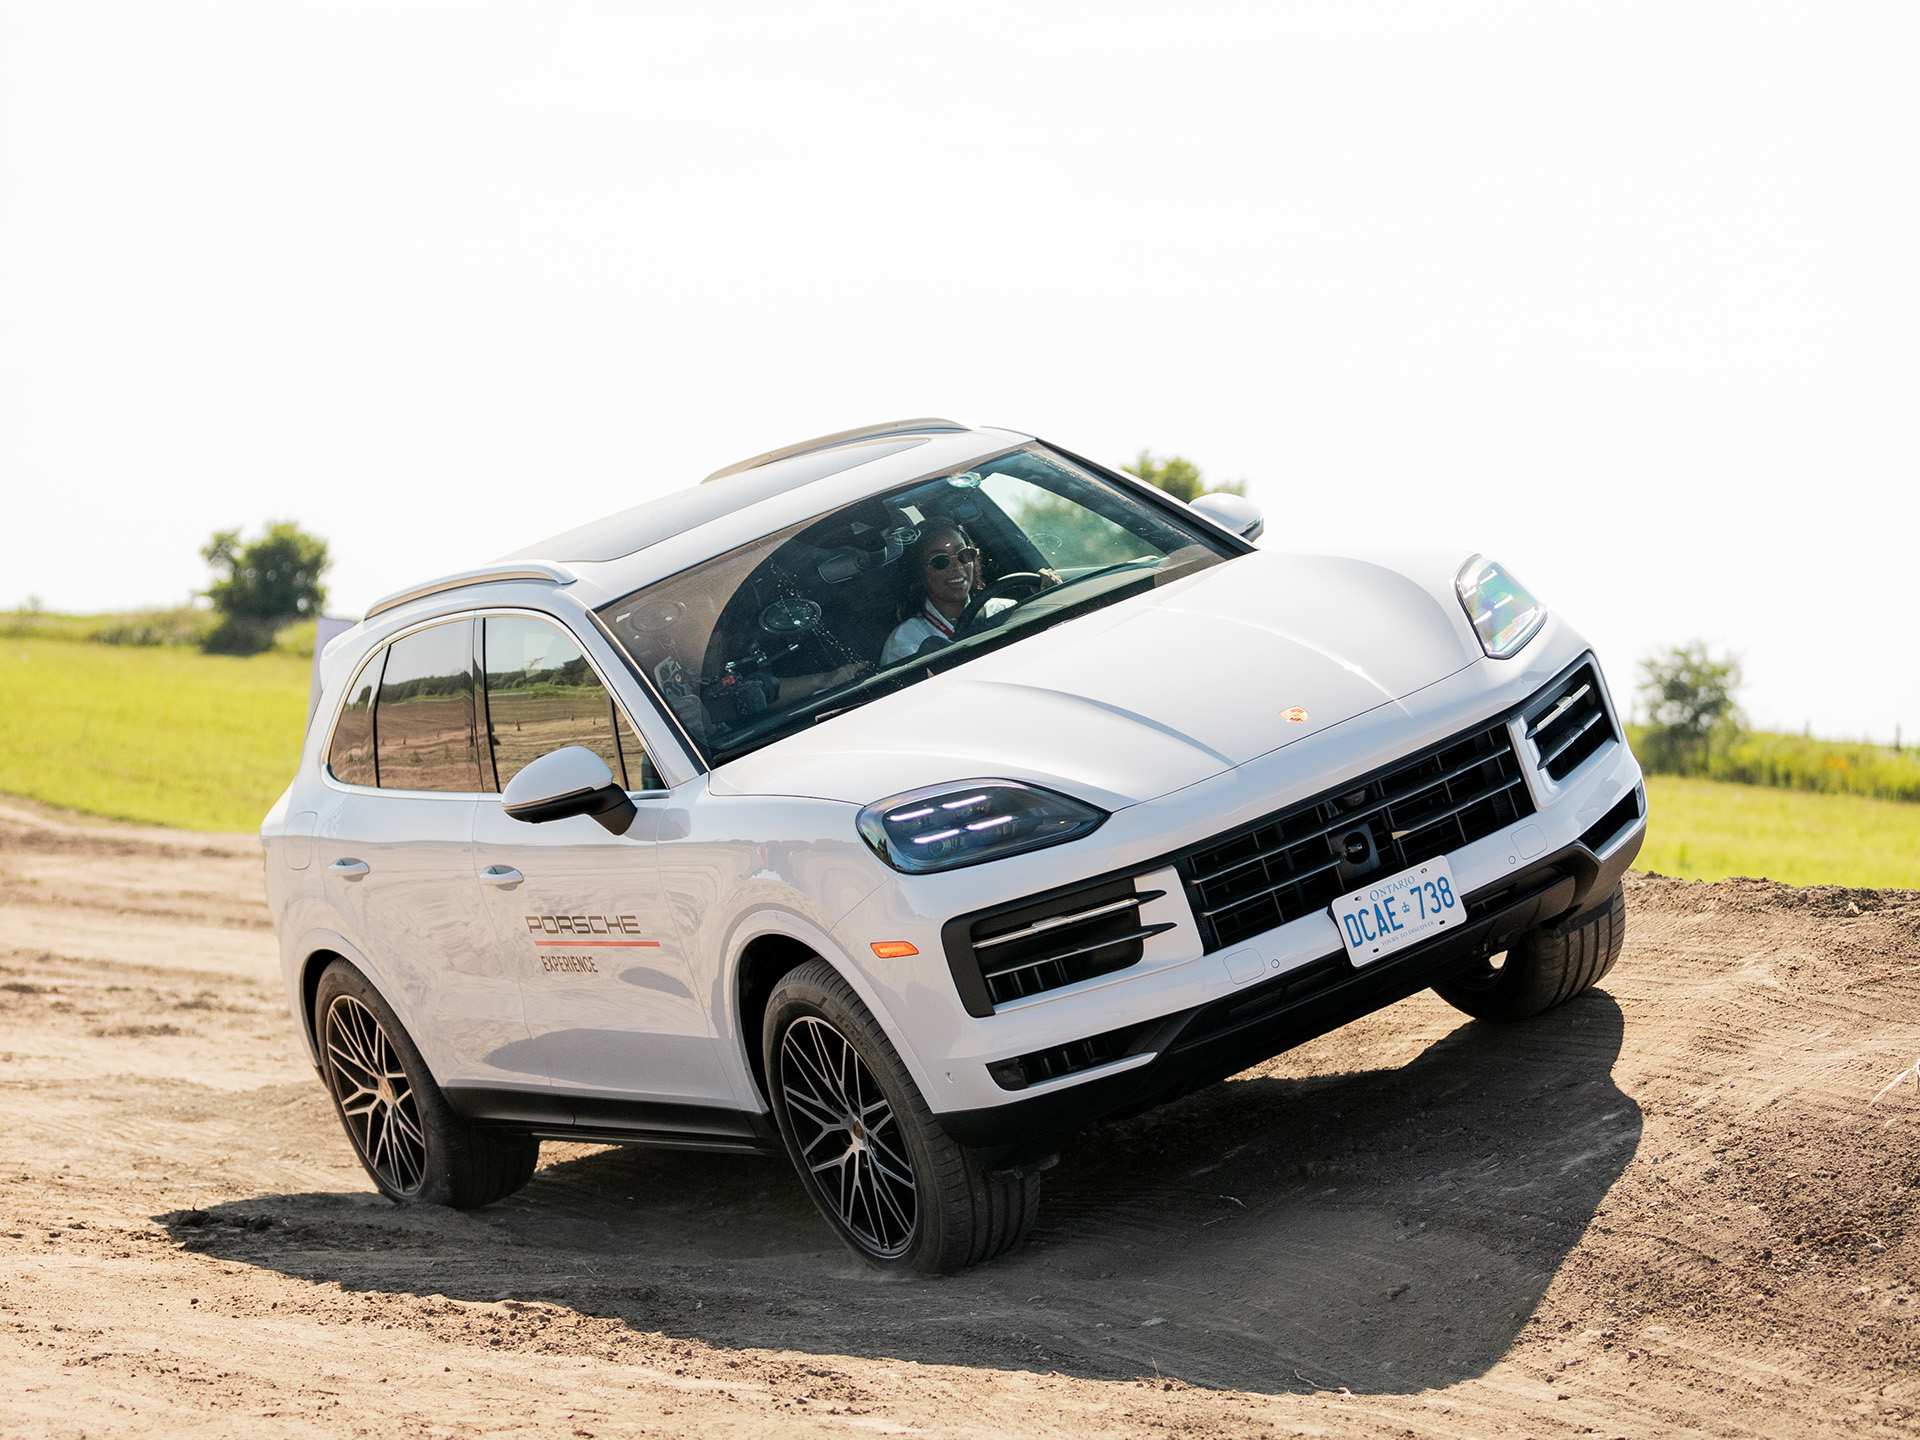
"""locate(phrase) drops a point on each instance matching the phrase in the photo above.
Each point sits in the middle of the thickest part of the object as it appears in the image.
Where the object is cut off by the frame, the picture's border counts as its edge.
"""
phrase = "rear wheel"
(895, 1187)
(1545, 967)
(413, 1145)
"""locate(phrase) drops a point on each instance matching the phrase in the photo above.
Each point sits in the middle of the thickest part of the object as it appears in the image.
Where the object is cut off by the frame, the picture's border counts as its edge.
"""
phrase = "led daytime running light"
(930, 830)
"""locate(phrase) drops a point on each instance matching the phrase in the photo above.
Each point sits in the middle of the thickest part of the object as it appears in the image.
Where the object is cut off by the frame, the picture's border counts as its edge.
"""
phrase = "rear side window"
(350, 758)
(542, 694)
(424, 719)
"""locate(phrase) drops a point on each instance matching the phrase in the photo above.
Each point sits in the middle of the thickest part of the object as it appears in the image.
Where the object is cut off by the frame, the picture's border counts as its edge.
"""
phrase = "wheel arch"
(320, 949)
(762, 964)
(762, 953)
(310, 972)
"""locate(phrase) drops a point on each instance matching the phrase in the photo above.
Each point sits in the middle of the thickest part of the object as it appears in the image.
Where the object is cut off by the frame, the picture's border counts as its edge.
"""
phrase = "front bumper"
(957, 1056)
(1196, 1047)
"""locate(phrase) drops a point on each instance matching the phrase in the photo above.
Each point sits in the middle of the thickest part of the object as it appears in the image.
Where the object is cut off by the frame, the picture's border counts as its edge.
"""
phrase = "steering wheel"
(1017, 585)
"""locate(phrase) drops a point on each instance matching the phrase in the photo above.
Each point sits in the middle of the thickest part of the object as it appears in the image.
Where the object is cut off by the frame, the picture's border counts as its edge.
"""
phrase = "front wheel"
(1545, 967)
(895, 1187)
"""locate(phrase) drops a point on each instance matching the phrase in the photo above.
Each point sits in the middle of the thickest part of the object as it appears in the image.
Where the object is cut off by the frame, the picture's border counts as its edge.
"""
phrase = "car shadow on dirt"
(1385, 1230)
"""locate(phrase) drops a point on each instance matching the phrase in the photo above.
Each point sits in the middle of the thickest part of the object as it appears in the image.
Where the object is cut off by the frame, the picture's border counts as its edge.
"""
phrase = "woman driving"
(946, 570)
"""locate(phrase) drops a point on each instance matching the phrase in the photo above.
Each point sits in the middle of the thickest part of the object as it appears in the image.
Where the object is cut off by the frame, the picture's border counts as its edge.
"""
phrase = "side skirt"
(607, 1120)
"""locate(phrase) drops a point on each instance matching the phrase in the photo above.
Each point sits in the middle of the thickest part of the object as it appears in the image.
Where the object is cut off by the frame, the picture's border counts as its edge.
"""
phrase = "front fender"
(793, 927)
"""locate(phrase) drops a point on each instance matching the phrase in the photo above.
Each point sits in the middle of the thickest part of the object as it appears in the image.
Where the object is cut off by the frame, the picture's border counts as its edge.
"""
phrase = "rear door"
(396, 852)
(578, 914)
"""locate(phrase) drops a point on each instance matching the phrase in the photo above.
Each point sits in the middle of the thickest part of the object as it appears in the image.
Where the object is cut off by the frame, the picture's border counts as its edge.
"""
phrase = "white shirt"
(914, 631)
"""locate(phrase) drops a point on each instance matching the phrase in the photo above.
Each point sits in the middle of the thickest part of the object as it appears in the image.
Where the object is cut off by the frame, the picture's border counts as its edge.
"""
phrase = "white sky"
(1626, 295)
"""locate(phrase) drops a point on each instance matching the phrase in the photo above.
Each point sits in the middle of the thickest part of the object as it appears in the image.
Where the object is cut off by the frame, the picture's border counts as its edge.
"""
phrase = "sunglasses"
(944, 559)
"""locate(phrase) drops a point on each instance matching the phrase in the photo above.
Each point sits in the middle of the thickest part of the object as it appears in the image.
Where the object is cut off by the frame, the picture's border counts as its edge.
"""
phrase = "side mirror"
(567, 782)
(1233, 512)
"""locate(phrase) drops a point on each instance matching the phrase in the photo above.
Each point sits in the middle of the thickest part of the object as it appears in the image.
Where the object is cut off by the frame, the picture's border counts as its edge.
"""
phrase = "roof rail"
(840, 437)
(484, 575)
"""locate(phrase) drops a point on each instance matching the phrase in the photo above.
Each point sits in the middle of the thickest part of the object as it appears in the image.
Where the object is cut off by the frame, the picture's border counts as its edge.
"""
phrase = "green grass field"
(1709, 829)
(158, 733)
(168, 735)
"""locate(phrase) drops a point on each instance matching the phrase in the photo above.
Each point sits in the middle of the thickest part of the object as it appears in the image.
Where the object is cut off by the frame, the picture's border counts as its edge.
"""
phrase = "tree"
(261, 584)
(1180, 477)
(276, 577)
(1690, 698)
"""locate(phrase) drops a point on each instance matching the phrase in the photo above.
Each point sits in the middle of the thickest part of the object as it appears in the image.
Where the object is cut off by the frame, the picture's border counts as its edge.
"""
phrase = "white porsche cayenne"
(906, 799)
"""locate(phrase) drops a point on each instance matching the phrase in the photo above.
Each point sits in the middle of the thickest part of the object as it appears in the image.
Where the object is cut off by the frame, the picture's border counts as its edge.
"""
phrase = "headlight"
(946, 826)
(1503, 611)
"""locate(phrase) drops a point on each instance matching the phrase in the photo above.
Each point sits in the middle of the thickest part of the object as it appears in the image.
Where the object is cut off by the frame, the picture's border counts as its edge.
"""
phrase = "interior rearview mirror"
(568, 782)
(1232, 512)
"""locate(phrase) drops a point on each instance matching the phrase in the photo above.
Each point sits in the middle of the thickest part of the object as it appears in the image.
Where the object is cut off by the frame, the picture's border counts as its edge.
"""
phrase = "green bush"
(240, 635)
(183, 625)
(1791, 762)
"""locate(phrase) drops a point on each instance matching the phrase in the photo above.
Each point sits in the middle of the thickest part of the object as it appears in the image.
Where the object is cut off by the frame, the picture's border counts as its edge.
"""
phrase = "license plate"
(1396, 911)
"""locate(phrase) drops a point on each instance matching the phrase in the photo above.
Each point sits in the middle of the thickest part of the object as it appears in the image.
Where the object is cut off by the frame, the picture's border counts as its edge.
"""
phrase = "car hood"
(1150, 694)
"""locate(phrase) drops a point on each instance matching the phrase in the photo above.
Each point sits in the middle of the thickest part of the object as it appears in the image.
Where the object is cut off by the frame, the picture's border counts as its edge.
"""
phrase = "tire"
(412, 1144)
(1546, 967)
(856, 1127)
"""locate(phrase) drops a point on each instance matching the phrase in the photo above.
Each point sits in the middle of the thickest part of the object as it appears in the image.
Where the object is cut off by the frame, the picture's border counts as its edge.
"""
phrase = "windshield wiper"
(857, 693)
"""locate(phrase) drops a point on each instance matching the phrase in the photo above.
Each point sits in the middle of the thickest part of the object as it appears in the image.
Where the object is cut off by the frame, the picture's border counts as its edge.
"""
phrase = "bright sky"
(1626, 295)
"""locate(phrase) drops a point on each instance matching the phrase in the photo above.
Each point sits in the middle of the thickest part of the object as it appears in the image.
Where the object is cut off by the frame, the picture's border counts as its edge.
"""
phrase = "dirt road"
(1674, 1208)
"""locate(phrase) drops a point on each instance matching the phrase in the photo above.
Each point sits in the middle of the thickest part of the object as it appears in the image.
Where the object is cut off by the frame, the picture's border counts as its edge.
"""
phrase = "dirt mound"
(1681, 1206)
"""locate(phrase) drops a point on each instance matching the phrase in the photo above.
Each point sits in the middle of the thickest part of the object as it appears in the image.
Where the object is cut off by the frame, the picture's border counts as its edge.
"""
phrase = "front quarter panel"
(738, 868)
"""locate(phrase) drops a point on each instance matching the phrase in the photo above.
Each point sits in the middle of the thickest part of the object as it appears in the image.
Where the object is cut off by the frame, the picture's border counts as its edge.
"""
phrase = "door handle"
(505, 876)
(348, 869)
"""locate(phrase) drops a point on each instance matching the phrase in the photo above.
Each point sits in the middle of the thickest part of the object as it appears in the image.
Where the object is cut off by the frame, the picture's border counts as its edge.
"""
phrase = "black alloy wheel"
(849, 1141)
(410, 1141)
(376, 1097)
(895, 1187)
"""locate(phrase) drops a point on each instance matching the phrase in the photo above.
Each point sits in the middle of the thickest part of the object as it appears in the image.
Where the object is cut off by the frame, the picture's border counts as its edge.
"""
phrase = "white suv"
(905, 799)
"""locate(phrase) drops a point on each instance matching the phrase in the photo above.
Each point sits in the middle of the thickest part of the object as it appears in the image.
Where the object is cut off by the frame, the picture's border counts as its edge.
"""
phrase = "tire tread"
(1546, 967)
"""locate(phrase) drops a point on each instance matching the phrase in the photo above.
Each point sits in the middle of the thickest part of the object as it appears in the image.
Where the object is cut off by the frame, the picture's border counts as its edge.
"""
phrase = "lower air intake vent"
(1069, 1059)
(1009, 953)
(1609, 827)
(1570, 724)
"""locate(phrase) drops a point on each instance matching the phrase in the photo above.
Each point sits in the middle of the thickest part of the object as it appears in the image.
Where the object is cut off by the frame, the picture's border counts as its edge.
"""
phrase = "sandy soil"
(1684, 1206)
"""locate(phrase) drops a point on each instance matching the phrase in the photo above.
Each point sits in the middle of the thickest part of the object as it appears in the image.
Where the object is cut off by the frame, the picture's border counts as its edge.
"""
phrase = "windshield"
(828, 615)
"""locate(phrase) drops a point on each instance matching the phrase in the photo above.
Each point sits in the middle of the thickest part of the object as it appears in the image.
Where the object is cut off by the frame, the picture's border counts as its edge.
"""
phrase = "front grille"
(1570, 724)
(1301, 859)
(1045, 944)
